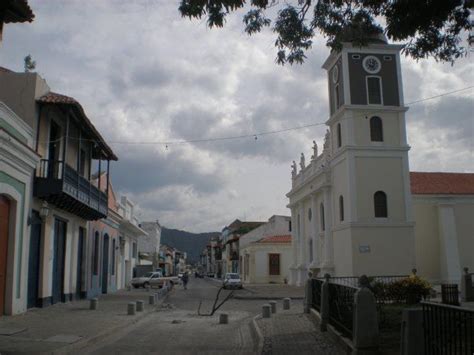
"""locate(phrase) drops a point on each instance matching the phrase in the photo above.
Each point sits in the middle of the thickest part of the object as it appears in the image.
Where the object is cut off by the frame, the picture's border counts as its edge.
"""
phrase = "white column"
(328, 242)
(301, 233)
(294, 246)
(314, 232)
(450, 261)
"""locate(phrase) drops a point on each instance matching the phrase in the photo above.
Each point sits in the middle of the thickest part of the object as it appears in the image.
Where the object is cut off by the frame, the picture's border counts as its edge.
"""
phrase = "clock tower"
(372, 226)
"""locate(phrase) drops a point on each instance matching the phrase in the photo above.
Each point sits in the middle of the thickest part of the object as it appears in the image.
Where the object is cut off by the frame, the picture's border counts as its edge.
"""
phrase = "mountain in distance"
(191, 243)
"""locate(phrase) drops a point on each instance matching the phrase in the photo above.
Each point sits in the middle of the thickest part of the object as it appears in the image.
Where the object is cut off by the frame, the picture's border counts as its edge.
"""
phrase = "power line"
(257, 134)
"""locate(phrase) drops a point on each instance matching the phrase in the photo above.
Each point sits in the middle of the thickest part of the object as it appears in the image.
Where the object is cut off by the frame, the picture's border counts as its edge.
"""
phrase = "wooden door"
(34, 260)
(105, 264)
(4, 229)
(58, 260)
(80, 250)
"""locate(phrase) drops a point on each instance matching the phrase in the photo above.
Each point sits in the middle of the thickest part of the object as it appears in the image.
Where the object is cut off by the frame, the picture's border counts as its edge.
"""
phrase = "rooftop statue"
(293, 170)
(302, 163)
(315, 150)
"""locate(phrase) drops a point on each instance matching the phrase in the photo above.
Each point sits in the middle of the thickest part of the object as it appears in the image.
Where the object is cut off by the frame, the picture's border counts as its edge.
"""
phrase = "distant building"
(149, 245)
(130, 233)
(276, 225)
(267, 260)
(230, 243)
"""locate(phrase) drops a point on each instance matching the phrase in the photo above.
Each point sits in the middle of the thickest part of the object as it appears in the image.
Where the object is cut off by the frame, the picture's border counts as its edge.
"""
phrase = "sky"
(144, 74)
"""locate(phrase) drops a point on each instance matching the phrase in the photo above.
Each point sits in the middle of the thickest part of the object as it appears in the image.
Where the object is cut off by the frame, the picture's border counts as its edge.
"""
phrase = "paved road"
(177, 329)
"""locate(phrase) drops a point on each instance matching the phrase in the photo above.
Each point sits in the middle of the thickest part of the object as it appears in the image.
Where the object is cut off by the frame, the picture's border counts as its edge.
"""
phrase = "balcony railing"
(61, 185)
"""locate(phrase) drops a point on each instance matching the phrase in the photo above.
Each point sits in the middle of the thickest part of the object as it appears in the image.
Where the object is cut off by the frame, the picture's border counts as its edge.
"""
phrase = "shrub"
(409, 290)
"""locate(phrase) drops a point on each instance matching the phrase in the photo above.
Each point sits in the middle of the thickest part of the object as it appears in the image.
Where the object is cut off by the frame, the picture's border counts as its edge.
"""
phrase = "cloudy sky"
(144, 75)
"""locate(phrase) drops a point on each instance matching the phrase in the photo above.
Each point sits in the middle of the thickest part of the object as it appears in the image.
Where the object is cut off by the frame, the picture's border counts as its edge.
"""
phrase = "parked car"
(210, 274)
(232, 280)
(160, 281)
(145, 280)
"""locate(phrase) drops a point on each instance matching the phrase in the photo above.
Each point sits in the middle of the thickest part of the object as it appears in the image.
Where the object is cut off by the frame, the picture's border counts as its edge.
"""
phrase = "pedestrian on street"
(185, 279)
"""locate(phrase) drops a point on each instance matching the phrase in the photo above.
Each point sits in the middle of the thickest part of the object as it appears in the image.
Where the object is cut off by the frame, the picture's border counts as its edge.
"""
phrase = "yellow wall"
(390, 124)
(465, 230)
(384, 174)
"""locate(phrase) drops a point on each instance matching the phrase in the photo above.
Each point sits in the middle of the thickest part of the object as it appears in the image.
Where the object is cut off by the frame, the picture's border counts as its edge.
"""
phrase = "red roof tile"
(58, 99)
(5, 70)
(276, 239)
(441, 183)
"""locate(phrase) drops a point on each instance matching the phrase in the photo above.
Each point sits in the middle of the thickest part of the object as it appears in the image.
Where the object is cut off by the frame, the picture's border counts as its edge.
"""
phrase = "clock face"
(335, 74)
(371, 64)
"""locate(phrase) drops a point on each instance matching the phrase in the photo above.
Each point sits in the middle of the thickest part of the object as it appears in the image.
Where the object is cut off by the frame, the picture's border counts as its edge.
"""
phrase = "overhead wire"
(254, 135)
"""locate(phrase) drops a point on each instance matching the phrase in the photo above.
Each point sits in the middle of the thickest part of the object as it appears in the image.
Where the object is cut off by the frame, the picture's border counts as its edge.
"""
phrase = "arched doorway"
(4, 231)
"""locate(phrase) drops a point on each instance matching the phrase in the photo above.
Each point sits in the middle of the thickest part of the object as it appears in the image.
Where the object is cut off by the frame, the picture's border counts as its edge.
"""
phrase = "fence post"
(325, 303)
(467, 293)
(412, 337)
(365, 327)
(308, 299)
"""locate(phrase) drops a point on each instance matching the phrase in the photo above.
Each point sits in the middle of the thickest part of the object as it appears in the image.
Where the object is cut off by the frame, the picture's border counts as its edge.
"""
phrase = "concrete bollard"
(366, 327)
(325, 304)
(94, 304)
(131, 308)
(308, 293)
(273, 306)
(286, 303)
(223, 318)
(266, 311)
(151, 299)
(147, 287)
(140, 306)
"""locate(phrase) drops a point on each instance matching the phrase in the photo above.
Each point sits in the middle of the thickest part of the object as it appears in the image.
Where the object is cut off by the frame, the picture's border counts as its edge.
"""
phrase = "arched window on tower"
(341, 208)
(376, 129)
(339, 135)
(380, 204)
(321, 217)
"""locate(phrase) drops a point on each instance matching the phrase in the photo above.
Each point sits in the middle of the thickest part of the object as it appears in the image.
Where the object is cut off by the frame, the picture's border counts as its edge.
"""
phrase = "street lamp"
(44, 210)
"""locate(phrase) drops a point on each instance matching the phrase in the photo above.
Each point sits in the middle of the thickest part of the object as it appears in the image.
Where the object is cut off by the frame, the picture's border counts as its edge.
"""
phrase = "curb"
(258, 333)
(265, 298)
(95, 339)
(333, 333)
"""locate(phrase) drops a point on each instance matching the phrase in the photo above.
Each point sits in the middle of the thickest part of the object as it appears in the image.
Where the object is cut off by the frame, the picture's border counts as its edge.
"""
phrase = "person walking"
(185, 280)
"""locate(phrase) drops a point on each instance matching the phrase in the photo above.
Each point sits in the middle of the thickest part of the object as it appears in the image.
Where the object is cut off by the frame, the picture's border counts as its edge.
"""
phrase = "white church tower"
(351, 205)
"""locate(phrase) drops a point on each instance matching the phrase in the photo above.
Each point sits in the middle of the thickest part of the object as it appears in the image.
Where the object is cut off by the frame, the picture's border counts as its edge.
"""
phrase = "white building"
(267, 260)
(17, 163)
(351, 206)
(130, 234)
(149, 246)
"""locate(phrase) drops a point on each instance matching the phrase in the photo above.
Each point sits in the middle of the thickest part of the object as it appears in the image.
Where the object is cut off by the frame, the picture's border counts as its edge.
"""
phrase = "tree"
(29, 63)
(430, 28)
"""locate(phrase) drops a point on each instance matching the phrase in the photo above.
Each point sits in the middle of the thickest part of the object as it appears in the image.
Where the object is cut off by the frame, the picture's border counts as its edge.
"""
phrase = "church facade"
(351, 205)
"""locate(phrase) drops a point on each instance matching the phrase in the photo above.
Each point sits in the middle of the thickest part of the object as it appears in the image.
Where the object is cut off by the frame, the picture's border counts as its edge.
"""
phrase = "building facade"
(267, 260)
(351, 205)
(149, 245)
(17, 163)
(64, 198)
(129, 234)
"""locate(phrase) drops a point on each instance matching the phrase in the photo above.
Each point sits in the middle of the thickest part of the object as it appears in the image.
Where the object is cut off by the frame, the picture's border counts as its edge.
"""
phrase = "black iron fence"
(316, 293)
(450, 294)
(341, 307)
(448, 329)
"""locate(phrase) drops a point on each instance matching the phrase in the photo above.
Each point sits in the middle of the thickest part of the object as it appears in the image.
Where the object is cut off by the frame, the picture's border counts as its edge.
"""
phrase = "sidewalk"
(293, 332)
(265, 291)
(68, 326)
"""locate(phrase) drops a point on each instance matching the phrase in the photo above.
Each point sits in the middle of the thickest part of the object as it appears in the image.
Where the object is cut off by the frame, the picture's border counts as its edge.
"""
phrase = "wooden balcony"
(59, 184)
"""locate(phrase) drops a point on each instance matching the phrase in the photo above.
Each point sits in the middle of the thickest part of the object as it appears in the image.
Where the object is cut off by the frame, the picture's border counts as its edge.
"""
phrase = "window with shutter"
(274, 267)
(374, 90)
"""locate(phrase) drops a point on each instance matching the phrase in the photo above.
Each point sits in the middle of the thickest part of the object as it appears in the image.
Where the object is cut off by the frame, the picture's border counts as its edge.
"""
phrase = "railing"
(450, 294)
(448, 329)
(50, 169)
(316, 285)
(341, 307)
(56, 178)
